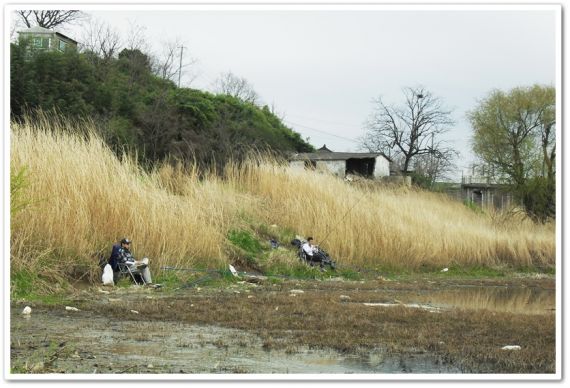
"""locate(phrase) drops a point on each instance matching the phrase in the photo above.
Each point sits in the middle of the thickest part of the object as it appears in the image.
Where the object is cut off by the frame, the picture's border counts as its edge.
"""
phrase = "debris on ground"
(233, 271)
(69, 308)
(107, 277)
(254, 278)
(27, 310)
(511, 347)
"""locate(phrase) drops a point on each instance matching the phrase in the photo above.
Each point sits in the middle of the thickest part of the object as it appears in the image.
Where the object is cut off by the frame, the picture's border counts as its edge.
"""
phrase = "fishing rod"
(343, 217)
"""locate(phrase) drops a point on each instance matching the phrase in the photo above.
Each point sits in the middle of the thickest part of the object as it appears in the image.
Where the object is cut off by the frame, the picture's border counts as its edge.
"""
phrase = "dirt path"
(414, 326)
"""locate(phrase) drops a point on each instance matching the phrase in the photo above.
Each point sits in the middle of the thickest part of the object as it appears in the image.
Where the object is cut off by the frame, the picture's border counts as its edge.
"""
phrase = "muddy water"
(97, 345)
(53, 340)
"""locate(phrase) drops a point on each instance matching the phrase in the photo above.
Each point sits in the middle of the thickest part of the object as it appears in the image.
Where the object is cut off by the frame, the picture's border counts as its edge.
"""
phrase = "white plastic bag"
(108, 276)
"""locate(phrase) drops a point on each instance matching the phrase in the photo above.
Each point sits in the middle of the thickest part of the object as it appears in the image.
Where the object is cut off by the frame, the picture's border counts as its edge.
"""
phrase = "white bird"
(71, 308)
(233, 271)
(108, 276)
(27, 310)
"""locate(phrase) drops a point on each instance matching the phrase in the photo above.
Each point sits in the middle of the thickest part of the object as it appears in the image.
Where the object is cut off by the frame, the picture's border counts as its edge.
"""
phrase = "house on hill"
(342, 164)
(45, 39)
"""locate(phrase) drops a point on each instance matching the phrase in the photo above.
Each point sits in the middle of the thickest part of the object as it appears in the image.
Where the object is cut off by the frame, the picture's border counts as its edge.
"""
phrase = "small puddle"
(530, 301)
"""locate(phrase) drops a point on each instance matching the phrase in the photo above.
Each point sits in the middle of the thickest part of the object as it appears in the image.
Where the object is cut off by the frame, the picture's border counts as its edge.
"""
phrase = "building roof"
(41, 30)
(324, 149)
(336, 155)
(36, 30)
(324, 153)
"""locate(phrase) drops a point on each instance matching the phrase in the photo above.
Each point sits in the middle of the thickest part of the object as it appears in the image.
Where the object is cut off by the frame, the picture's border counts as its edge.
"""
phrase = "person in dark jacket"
(122, 254)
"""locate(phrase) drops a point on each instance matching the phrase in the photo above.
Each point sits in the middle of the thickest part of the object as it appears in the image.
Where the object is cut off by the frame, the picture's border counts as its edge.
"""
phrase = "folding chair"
(125, 270)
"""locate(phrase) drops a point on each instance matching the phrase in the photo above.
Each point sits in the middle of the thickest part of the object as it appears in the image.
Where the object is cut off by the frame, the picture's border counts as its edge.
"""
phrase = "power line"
(320, 120)
(321, 131)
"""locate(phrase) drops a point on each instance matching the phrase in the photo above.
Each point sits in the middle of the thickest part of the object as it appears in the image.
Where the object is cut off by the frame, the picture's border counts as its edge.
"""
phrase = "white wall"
(297, 164)
(337, 167)
(382, 167)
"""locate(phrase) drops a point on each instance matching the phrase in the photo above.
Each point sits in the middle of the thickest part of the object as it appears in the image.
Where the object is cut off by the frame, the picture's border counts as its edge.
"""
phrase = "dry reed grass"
(395, 226)
(84, 198)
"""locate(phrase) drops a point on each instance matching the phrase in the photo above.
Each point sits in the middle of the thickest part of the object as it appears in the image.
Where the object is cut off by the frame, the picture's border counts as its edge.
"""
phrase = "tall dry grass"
(397, 226)
(83, 198)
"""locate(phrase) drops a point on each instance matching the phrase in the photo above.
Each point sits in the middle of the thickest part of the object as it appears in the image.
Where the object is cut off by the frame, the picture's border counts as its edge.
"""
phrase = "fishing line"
(343, 217)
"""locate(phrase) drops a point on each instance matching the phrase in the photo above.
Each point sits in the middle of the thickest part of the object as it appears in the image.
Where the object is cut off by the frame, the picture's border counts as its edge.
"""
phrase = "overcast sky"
(321, 69)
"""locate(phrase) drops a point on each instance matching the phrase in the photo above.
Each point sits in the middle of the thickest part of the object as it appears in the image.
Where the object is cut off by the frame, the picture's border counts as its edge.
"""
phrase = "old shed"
(369, 165)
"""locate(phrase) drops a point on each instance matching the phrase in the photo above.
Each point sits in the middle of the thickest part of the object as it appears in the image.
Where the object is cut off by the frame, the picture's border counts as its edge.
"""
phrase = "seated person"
(122, 254)
(312, 251)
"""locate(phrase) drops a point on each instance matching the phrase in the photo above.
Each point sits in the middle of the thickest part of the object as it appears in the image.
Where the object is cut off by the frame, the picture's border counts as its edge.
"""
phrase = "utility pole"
(432, 173)
(180, 67)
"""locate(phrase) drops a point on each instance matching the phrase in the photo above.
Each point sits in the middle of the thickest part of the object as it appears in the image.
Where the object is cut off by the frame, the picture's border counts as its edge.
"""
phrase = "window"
(61, 45)
(38, 42)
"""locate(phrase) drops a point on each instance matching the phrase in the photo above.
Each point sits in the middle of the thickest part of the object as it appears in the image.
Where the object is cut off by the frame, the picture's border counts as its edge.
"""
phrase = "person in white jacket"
(310, 249)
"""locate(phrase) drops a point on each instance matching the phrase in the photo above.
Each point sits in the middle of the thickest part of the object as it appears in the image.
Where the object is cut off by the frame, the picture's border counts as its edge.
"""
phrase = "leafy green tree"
(514, 133)
(136, 110)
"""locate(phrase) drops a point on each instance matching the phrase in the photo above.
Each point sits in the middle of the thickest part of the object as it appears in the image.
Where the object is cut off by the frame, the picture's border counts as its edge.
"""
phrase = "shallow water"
(499, 299)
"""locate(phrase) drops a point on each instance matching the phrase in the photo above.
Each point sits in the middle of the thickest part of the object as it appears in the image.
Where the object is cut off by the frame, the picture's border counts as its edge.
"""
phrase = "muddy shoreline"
(418, 325)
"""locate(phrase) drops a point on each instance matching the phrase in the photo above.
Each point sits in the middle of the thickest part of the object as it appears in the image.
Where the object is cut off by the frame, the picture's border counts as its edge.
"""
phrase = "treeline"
(136, 111)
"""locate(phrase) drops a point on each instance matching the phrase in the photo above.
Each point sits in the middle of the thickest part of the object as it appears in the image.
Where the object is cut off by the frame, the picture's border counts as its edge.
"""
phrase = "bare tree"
(15, 25)
(230, 84)
(409, 130)
(437, 166)
(173, 61)
(101, 39)
(49, 18)
(136, 38)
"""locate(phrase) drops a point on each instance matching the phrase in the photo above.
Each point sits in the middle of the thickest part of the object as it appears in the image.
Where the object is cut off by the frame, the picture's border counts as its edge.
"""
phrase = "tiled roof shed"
(368, 164)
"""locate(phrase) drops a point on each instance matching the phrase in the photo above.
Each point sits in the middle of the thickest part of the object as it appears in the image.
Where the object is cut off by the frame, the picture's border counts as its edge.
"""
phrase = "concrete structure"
(369, 165)
(485, 194)
(485, 189)
(44, 39)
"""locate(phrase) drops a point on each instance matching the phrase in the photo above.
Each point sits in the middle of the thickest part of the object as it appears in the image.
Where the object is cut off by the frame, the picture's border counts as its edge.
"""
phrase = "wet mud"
(334, 327)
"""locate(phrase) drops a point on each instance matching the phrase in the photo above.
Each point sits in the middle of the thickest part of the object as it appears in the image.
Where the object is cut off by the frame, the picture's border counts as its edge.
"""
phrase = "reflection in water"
(514, 300)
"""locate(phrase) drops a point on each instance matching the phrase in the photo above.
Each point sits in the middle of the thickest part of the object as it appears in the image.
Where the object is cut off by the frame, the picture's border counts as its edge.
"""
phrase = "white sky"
(320, 69)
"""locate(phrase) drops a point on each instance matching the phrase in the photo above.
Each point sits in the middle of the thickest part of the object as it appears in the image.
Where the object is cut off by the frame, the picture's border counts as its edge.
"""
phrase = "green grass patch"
(31, 287)
(170, 278)
(215, 279)
(473, 206)
(244, 239)
(348, 274)
(533, 270)
(473, 272)
(299, 271)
